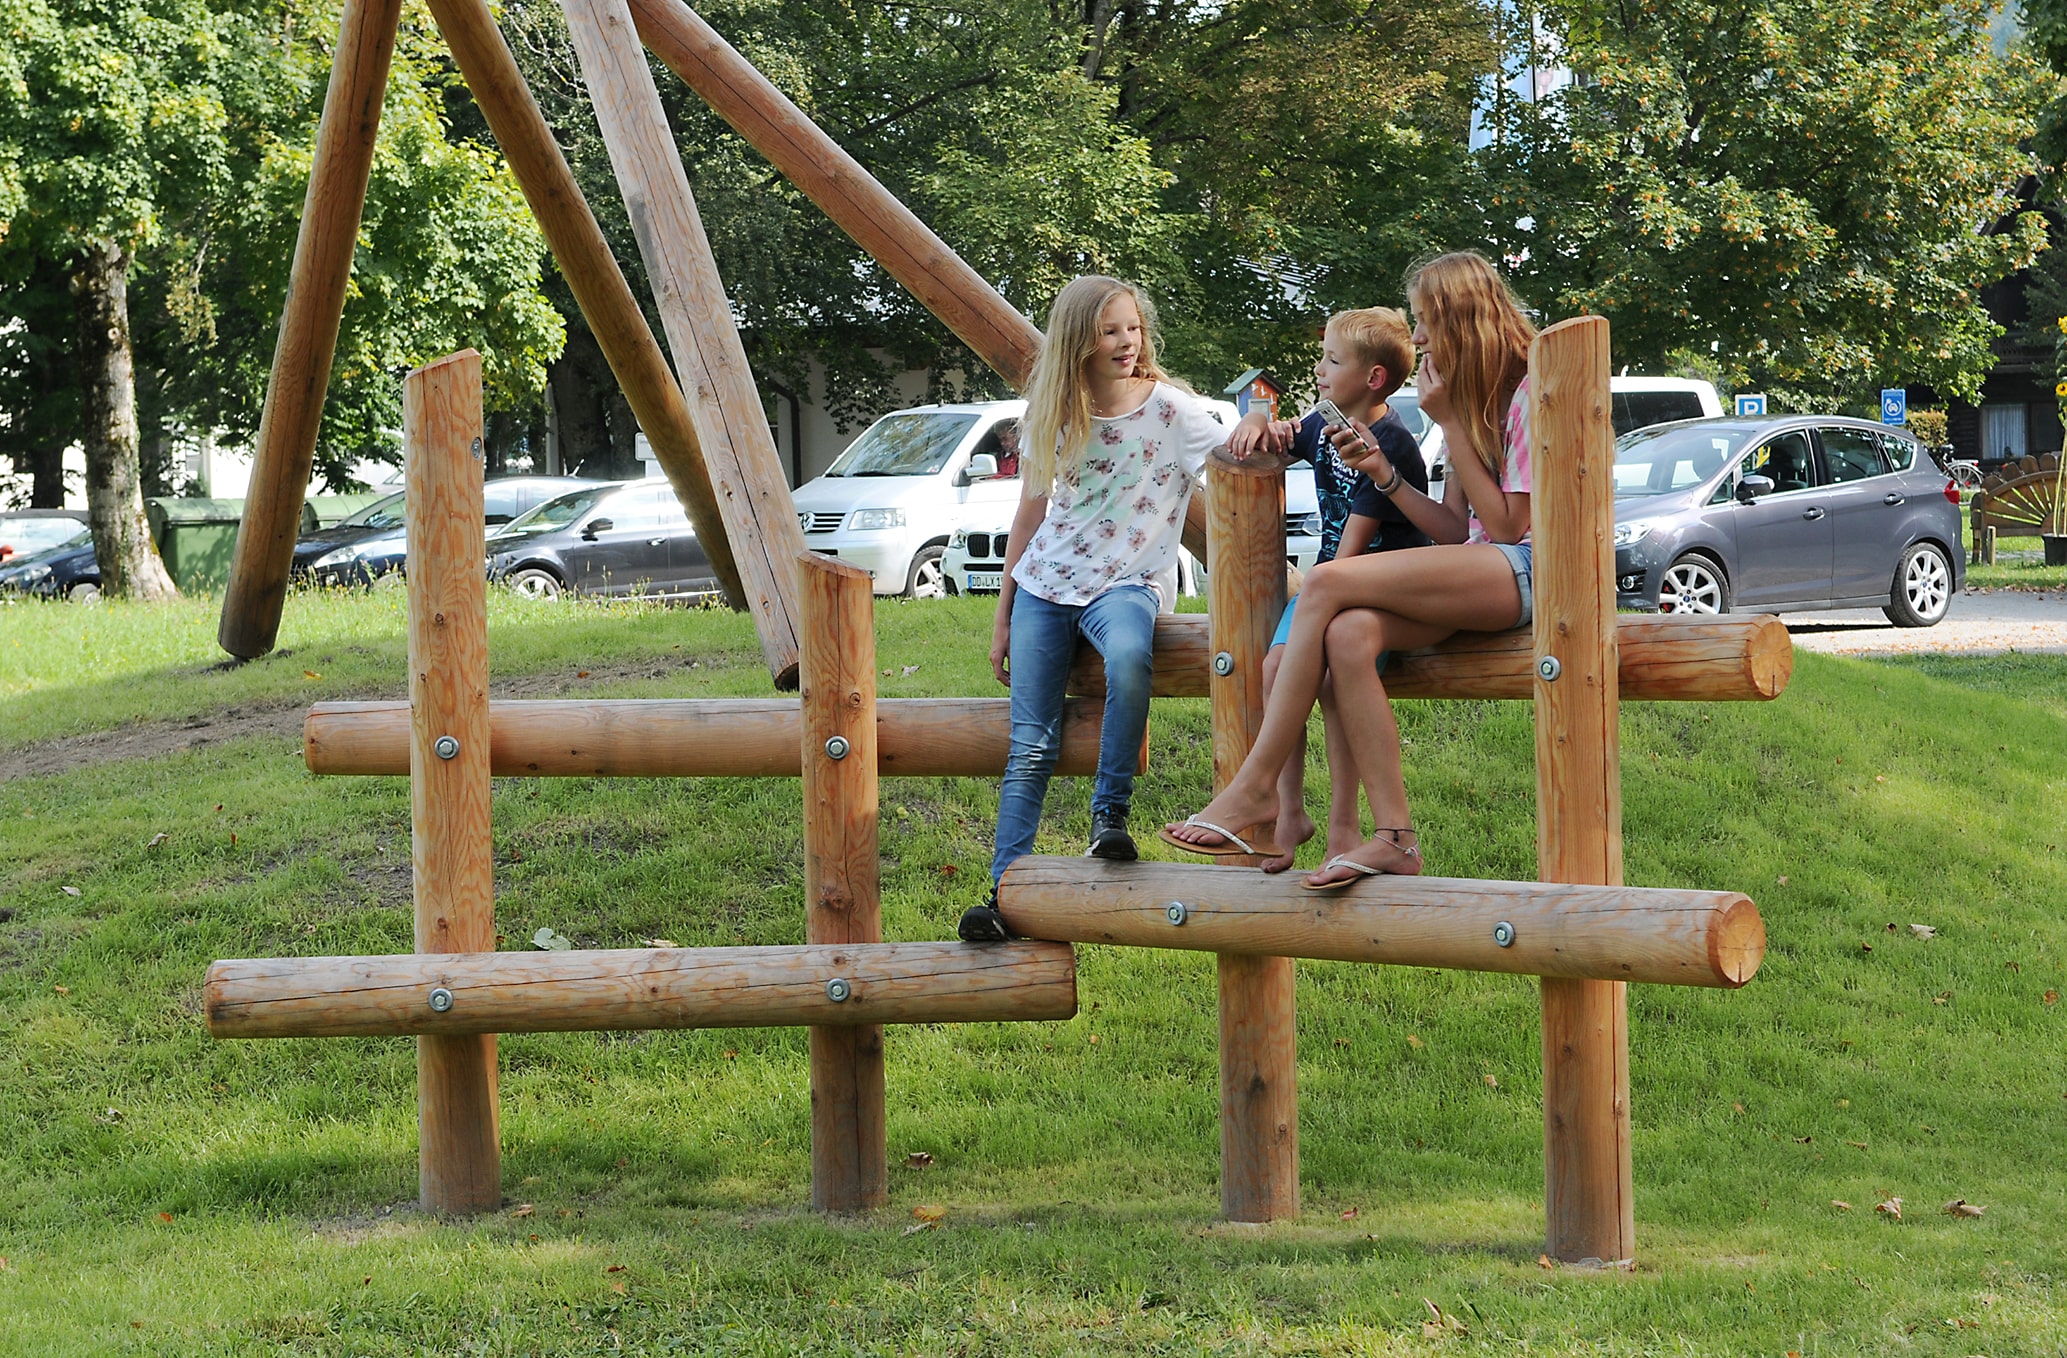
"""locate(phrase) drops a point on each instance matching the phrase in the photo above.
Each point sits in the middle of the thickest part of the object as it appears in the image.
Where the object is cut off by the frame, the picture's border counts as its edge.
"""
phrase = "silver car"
(1785, 514)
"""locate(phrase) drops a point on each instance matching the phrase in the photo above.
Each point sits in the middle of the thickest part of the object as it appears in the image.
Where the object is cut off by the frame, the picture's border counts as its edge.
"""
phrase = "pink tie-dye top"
(1520, 457)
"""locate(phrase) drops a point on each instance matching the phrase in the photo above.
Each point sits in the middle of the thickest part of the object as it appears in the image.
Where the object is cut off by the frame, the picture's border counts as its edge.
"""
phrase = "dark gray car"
(1785, 514)
(606, 539)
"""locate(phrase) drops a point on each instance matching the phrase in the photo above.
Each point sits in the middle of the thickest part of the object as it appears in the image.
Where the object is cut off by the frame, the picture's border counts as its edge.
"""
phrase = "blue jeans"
(1120, 623)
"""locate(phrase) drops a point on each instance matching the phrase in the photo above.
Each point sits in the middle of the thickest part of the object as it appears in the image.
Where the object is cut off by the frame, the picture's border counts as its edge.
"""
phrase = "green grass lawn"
(162, 1193)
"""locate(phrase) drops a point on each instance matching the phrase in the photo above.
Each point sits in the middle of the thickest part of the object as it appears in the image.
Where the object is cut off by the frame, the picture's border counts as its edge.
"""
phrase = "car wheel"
(927, 580)
(1694, 584)
(388, 582)
(1923, 587)
(535, 583)
(84, 593)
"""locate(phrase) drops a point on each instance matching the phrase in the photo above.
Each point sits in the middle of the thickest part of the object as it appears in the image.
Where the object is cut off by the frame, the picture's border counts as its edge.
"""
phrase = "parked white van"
(891, 502)
(1638, 403)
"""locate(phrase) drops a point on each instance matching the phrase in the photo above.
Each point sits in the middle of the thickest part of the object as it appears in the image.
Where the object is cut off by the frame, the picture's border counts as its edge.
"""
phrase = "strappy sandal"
(1233, 846)
(1362, 870)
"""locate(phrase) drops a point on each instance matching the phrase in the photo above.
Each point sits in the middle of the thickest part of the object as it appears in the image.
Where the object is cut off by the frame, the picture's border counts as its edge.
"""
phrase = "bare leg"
(1354, 642)
(1294, 826)
(1345, 831)
(1449, 589)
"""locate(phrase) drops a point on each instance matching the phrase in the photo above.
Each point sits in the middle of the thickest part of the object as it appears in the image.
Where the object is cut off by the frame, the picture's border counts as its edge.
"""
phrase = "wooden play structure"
(1584, 933)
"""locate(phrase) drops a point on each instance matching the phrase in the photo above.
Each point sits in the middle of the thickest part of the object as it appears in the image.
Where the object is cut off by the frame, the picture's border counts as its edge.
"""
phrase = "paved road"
(1982, 622)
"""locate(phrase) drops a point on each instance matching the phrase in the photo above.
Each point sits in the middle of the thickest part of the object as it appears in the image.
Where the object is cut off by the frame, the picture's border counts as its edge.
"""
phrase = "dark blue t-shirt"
(1342, 492)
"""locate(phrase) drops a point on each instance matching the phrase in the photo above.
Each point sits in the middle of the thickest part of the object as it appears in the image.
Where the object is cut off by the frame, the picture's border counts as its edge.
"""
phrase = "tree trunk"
(579, 378)
(129, 563)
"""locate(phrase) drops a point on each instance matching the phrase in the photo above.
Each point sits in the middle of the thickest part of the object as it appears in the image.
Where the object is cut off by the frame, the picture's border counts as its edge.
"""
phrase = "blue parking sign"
(1894, 405)
(1751, 407)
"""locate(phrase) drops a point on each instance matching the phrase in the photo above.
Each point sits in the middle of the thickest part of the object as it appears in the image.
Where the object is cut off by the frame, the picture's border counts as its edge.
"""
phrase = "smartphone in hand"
(1331, 412)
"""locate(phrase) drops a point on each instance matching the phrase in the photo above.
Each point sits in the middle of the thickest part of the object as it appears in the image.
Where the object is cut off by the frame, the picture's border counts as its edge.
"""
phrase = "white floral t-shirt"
(1116, 518)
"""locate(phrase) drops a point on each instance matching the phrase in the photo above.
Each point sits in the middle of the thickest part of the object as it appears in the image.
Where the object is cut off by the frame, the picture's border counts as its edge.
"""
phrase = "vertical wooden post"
(850, 1167)
(600, 290)
(1259, 1098)
(460, 1156)
(724, 406)
(286, 448)
(1588, 1175)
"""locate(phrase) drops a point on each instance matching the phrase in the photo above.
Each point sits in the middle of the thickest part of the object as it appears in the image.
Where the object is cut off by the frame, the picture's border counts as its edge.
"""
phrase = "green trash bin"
(196, 538)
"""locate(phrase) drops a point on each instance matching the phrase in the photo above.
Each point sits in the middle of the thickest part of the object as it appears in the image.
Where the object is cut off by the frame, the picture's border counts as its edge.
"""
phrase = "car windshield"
(1659, 461)
(554, 513)
(1407, 405)
(25, 537)
(385, 512)
(912, 444)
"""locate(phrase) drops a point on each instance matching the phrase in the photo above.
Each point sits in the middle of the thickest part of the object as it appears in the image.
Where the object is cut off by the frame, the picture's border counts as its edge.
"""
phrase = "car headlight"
(1633, 532)
(338, 557)
(873, 520)
(960, 541)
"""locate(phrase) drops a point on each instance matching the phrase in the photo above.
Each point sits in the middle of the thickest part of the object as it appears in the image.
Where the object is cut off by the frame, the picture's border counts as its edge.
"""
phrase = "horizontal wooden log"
(627, 988)
(693, 738)
(1700, 938)
(1737, 657)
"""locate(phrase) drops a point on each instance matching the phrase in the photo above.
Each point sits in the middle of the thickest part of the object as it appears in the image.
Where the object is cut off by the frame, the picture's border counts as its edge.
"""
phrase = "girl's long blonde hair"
(1478, 339)
(1058, 399)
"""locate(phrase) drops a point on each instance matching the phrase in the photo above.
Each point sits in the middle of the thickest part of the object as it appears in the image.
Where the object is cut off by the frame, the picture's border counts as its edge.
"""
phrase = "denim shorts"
(1522, 558)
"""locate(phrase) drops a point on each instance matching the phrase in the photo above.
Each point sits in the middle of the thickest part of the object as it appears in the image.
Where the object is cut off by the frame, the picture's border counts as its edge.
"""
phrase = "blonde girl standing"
(1113, 448)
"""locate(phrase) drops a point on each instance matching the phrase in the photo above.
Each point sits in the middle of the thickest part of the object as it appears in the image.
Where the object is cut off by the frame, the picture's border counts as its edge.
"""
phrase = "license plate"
(986, 582)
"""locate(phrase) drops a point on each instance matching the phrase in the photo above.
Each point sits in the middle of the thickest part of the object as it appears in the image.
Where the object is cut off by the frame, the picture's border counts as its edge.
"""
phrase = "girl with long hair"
(1113, 447)
(1473, 382)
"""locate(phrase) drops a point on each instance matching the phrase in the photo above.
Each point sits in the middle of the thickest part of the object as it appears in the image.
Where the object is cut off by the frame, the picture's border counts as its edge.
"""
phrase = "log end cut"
(1770, 652)
(1737, 943)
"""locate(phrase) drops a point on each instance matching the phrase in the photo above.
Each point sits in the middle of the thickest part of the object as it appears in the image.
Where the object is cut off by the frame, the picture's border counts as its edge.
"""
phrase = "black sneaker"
(1109, 838)
(983, 923)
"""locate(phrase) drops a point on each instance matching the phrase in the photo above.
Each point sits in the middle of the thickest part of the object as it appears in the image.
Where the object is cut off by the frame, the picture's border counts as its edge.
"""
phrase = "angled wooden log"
(731, 426)
(286, 448)
(1664, 658)
(859, 205)
(628, 988)
(1670, 937)
(592, 274)
(1259, 1050)
(696, 738)
(850, 1165)
(451, 855)
(1589, 1173)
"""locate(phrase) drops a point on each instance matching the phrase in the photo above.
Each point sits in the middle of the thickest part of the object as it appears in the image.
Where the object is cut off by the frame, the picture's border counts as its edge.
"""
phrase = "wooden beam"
(1589, 1175)
(286, 448)
(850, 1166)
(823, 172)
(1739, 657)
(452, 857)
(1669, 937)
(591, 271)
(725, 408)
(1259, 1056)
(577, 991)
(696, 738)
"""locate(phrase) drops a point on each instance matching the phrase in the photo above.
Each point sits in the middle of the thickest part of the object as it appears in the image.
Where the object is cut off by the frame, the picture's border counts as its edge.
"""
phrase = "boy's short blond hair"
(1378, 334)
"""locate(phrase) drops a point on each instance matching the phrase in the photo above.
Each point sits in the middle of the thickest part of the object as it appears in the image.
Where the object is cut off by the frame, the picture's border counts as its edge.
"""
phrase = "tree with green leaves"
(1798, 192)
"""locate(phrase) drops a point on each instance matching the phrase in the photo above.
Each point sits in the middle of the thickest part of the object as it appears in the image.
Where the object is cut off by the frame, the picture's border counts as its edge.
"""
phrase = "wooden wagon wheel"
(2022, 500)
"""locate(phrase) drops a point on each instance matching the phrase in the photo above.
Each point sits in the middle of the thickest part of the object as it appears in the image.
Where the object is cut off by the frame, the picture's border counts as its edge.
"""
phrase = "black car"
(28, 532)
(66, 571)
(374, 543)
(623, 539)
